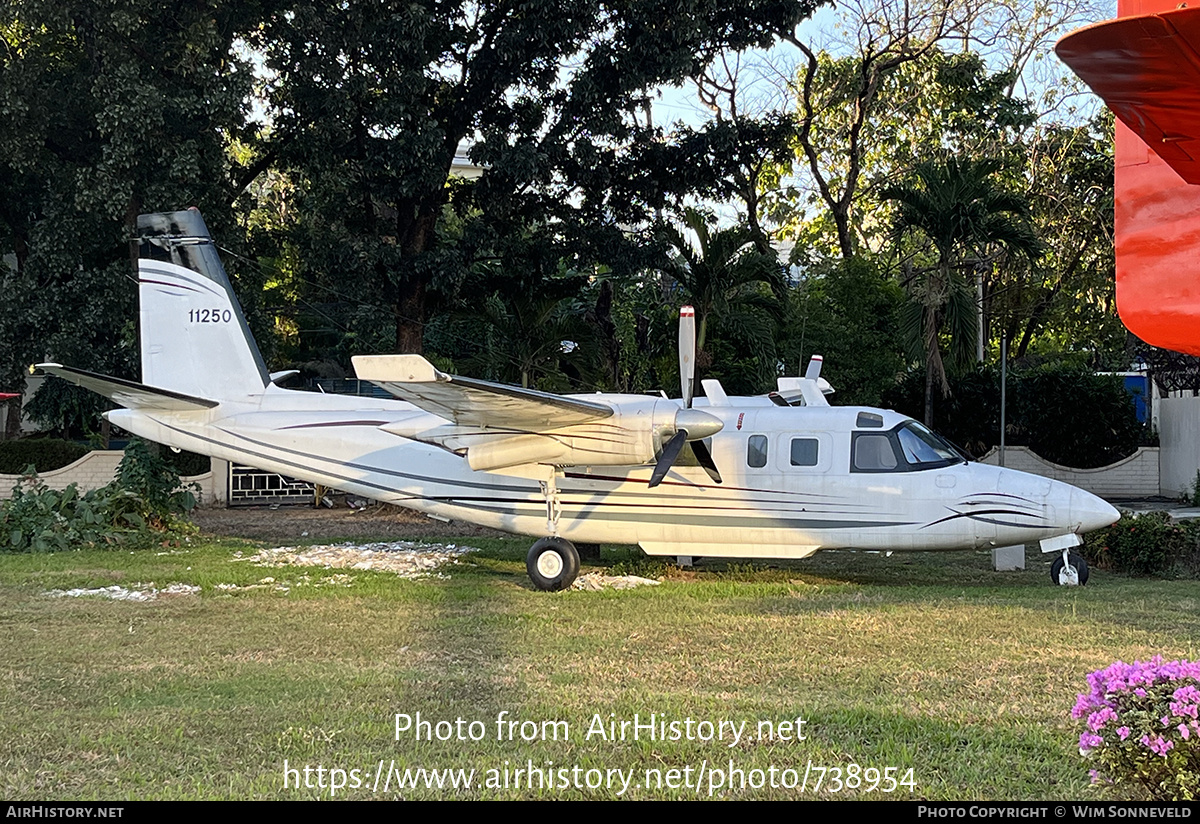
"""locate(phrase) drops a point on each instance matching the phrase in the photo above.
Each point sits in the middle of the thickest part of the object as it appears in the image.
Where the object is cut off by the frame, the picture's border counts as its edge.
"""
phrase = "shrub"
(39, 519)
(145, 474)
(1147, 544)
(44, 454)
(1075, 417)
(144, 502)
(1062, 412)
(1142, 730)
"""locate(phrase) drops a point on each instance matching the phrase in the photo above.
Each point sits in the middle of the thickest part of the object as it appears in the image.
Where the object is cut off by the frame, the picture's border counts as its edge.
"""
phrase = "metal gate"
(254, 487)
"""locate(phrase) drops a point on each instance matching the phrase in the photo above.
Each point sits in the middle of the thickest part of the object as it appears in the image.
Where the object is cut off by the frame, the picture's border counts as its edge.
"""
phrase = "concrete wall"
(1179, 435)
(97, 469)
(1134, 477)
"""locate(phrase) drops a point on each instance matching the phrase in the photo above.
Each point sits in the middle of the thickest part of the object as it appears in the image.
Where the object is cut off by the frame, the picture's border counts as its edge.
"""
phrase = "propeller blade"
(706, 460)
(687, 352)
(667, 458)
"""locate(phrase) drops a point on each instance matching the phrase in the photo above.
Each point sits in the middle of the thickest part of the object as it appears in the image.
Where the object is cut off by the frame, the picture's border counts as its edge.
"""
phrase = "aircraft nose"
(1090, 512)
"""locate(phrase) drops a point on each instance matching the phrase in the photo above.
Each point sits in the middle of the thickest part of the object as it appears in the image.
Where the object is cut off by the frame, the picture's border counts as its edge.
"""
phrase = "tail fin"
(195, 340)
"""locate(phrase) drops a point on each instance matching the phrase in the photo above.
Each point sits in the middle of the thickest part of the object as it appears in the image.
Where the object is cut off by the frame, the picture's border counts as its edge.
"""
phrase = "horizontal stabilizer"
(812, 391)
(474, 402)
(129, 394)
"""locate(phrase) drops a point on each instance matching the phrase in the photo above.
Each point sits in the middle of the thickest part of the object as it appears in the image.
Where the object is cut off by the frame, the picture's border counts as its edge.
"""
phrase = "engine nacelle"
(634, 435)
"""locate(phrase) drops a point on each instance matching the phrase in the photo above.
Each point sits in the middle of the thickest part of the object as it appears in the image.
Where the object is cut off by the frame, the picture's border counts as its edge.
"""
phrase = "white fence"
(1179, 434)
(1134, 477)
(96, 469)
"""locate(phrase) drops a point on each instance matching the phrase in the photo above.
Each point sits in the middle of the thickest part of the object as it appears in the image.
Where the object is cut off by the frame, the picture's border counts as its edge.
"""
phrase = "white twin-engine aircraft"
(780, 476)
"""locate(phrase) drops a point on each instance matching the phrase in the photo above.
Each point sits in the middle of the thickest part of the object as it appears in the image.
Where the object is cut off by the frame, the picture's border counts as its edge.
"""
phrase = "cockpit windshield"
(909, 447)
(922, 446)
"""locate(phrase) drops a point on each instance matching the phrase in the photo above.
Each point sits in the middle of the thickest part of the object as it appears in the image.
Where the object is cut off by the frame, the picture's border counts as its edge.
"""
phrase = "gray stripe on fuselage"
(692, 520)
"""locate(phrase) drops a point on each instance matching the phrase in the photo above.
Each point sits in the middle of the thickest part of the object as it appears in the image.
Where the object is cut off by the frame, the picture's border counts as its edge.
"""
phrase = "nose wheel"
(552, 564)
(1069, 570)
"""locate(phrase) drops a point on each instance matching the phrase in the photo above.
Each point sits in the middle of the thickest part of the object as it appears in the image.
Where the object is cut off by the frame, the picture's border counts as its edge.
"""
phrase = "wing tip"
(397, 369)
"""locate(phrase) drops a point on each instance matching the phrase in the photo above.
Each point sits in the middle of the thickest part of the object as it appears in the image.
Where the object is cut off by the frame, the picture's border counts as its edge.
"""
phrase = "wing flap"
(1147, 69)
(129, 394)
(475, 402)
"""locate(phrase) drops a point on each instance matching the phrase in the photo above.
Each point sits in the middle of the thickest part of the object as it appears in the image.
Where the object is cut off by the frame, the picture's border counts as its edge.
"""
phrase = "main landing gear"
(552, 564)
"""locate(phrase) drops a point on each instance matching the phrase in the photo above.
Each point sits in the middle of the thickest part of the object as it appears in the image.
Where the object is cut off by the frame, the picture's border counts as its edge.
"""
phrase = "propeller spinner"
(690, 424)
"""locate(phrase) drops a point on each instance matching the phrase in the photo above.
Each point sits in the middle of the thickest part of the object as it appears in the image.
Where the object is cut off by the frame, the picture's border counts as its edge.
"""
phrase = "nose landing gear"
(1069, 570)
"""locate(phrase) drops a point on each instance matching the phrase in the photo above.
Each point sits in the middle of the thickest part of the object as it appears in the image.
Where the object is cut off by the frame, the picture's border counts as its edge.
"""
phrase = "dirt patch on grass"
(296, 523)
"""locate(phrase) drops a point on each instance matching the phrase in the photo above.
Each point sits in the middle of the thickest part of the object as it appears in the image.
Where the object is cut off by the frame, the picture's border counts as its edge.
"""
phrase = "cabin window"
(869, 420)
(804, 451)
(874, 453)
(756, 451)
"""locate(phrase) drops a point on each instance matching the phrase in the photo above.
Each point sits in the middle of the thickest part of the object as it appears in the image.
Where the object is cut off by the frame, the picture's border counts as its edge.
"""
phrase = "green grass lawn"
(925, 663)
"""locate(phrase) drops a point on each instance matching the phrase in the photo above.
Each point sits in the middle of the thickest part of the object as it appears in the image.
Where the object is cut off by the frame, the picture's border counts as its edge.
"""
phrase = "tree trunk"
(418, 236)
(410, 318)
(929, 390)
(841, 220)
(12, 419)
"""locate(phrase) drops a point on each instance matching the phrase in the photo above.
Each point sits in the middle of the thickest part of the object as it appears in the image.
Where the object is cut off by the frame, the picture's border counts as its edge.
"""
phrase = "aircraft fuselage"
(795, 480)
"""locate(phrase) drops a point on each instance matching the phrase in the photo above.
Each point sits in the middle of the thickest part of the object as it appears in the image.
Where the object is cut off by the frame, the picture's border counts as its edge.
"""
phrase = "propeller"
(687, 353)
(690, 424)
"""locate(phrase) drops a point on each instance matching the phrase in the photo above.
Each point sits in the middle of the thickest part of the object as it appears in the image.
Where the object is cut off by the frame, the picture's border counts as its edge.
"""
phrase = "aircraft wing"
(129, 394)
(1147, 69)
(474, 402)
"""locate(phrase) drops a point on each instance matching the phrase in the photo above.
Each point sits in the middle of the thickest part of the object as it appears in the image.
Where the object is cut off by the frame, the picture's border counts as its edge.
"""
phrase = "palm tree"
(726, 277)
(958, 206)
(527, 339)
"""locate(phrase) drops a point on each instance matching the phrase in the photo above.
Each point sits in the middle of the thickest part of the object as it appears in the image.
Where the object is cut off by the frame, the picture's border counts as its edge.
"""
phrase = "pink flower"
(1161, 746)
(1097, 719)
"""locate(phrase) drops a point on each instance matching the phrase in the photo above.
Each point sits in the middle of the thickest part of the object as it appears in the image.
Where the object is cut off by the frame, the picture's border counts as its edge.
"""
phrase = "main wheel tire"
(1080, 565)
(552, 564)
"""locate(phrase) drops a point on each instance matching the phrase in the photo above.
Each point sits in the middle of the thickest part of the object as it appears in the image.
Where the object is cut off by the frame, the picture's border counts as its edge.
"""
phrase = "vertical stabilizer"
(194, 337)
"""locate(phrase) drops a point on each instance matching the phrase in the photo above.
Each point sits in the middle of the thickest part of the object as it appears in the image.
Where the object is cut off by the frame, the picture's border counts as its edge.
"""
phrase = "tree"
(848, 311)
(728, 280)
(931, 102)
(109, 110)
(529, 336)
(957, 206)
(371, 102)
(1066, 302)
(886, 36)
